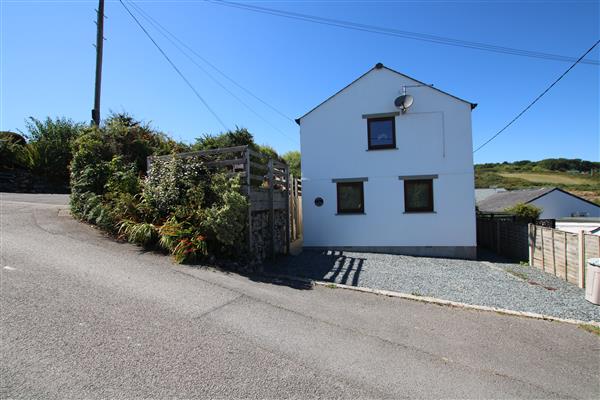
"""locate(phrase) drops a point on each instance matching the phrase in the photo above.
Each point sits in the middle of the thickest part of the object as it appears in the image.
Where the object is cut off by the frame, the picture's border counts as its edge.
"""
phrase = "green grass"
(331, 286)
(590, 328)
(553, 178)
(586, 186)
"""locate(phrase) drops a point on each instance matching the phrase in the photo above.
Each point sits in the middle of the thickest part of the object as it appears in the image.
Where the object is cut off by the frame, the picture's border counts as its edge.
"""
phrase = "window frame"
(360, 210)
(430, 208)
(384, 146)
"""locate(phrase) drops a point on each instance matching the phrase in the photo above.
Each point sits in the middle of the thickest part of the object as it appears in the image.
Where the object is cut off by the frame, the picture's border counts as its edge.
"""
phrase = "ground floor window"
(418, 195)
(350, 198)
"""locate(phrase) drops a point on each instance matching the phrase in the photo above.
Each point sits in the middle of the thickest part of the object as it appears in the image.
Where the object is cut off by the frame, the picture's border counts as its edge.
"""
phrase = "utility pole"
(99, 46)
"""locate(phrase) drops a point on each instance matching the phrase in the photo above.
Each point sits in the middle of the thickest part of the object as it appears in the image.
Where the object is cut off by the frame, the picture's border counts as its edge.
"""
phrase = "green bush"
(180, 207)
(48, 151)
(528, 211)
(175, 182)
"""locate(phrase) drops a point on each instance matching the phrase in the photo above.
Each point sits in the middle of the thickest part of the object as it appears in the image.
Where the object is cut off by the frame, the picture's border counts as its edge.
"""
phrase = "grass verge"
(590, 328)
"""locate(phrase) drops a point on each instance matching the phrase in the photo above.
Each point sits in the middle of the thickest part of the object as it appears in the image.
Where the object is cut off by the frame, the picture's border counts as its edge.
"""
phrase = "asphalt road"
(85, 317)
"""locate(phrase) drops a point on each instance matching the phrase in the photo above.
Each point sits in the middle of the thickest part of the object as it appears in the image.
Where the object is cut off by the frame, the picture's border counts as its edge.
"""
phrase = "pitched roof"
(503, 200)
(482, 194)
(381, 66)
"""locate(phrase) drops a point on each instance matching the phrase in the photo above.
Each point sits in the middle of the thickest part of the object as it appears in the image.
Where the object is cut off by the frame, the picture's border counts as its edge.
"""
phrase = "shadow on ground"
(327, 265)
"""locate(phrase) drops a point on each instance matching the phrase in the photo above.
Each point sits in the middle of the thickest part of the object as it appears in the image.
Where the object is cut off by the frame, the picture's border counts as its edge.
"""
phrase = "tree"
(292, 158)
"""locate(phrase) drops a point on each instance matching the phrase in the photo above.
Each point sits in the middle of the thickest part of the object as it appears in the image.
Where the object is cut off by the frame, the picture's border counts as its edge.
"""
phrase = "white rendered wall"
(557, 204)
(433, 137)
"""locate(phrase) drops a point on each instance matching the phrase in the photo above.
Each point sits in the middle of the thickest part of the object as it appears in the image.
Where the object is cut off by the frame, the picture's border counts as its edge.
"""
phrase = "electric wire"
(537, 98)
(213, 66)
(174, 41)
(398, 33)
(175, 67)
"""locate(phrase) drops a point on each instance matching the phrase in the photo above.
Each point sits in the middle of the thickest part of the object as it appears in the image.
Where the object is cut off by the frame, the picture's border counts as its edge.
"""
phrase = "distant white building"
(379, 178)
(554, 202)
(578, 224)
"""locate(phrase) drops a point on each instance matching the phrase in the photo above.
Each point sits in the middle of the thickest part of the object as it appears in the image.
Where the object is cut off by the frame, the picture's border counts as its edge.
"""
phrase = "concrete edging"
(449, 303)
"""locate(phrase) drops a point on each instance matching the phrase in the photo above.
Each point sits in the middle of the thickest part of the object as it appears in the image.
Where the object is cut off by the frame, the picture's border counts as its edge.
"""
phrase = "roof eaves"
(565, 192)
(473, 105)
(377, 66)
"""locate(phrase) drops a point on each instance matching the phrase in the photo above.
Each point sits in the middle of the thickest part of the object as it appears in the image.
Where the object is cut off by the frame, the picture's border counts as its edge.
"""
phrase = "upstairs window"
(418, 195)
(382, 133)
(350, 198)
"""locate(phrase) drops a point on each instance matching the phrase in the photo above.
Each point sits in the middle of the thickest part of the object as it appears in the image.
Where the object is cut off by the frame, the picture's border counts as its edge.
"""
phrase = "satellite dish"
(404, 102)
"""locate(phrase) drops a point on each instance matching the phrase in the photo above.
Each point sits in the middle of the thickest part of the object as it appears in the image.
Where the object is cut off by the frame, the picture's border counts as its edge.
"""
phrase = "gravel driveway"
(496, 284)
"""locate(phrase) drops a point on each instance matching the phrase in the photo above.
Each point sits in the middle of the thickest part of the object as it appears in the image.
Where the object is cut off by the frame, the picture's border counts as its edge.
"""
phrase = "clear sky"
(47, 58)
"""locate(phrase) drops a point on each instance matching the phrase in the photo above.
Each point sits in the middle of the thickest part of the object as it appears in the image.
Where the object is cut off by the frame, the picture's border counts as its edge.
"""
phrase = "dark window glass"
(418, 195)
(382, 133)
(350, 197)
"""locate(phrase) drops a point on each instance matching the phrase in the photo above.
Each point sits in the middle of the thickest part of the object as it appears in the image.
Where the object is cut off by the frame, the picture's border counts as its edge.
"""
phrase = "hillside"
(577, 176)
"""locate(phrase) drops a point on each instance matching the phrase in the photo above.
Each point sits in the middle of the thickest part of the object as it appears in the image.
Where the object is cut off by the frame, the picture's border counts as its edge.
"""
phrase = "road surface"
(85, 316)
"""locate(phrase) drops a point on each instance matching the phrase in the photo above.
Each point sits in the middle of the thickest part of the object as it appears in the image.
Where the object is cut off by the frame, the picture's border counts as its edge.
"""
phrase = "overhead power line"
(175, 67)
(398, 33)
(537, 98)
(174, 40)
(219, 71)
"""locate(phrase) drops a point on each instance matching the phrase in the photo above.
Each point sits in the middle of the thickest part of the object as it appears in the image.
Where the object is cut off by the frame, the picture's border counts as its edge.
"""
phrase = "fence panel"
(592, 246)
(268, 187)
(561, 253)
(503, 235)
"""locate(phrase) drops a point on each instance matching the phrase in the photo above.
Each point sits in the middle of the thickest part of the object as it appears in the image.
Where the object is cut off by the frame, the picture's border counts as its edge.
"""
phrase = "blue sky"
(47, 58)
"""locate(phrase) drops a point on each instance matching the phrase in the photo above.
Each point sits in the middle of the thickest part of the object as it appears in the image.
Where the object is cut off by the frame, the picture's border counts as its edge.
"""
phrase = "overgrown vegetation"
(575, 175)
(525, 211)
(181, 207)
(44, 150)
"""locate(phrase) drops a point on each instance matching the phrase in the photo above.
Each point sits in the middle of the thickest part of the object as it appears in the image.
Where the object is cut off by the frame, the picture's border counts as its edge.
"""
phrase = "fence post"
(271, 209)
(498, 237)
(553, 253)
(530, 242)
(543, 251)
(248, 192)
(581, 243)
(566, 256)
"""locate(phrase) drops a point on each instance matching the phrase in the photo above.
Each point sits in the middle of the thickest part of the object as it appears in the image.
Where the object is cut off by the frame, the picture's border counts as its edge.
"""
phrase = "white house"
(554, 202)
(379, 178)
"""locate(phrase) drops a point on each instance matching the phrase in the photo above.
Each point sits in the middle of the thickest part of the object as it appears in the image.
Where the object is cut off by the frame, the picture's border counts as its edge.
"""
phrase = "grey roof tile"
(501, 201)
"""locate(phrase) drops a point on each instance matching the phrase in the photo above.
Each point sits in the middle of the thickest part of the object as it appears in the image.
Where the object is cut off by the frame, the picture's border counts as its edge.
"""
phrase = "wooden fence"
(274, 215)
(502, 234)
(561, 253)
(295, 208)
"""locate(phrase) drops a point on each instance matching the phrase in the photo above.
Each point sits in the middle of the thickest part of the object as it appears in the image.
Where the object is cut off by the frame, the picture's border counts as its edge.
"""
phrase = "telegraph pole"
(99, 46)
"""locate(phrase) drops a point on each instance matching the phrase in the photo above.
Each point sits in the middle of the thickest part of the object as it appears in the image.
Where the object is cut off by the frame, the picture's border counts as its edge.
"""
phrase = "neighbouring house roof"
(482, 194)
(381, 66)
(501, 201)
